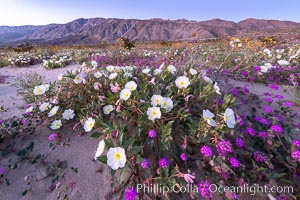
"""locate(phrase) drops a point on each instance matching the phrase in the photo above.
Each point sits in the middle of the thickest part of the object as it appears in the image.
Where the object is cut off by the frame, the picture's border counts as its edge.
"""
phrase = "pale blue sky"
(39, 12)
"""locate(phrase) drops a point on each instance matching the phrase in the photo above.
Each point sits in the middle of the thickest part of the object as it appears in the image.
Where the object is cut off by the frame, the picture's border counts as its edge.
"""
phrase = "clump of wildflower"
(206, 151)
(274, 86)
(234, 162)
(288, 104)
(296, 143)
(152, 133)
(145, 164)
(263, 134)
(259, 156)
(268, 109)
(250, 131)
(296, 155)
(52, 136)
(203, 189)
(239, 142)
(268, 99)
(276, 128)
(163, 163)
(224, 147)
(130, 193)
(183, 157)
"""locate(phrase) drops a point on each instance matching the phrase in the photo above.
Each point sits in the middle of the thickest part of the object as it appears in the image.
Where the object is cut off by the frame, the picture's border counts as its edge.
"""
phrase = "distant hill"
(94, 30)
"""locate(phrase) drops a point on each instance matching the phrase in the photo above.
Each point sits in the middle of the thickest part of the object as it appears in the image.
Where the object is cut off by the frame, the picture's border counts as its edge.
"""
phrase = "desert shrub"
(126, 43)
(57, 61)
(27, 47)
(24, 60)
(25, 85)
(170, 126)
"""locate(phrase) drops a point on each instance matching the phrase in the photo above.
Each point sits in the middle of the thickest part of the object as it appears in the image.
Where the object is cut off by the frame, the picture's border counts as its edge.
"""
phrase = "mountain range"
(94, 30)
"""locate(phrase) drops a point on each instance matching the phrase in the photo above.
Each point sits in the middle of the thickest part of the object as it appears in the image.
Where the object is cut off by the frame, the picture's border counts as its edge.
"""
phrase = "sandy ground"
(89, 184)
(8, 97)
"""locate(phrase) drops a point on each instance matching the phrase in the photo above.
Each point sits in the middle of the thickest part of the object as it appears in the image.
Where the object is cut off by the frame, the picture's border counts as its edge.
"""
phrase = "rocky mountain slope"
(94, 30)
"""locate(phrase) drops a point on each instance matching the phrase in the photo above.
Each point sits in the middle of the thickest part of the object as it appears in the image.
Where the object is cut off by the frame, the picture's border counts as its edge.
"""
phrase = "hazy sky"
(38, 12)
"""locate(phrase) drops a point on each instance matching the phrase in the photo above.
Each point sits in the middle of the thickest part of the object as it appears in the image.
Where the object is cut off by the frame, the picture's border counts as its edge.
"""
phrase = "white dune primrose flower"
(39, 90)
(89, 124)
(146, 71)
(68, 114)
(116, 158)
(166, 103)
(44, 106)
(264, 69)
(107, 109)
(131, 85)
(229, 118)
(97, 74)
(78, 79)
(182, 82)
(217, 88)
(60, 77)
(157, 71)
(208, 117)
(56, 124)
(283, 62)
(171, 69)
(110, 68)
(100, 149)
(94, 64)
(193, 72)
(112, 76)
(125, 94)
(53, 111)
(156, 100)
(29, 110)
(153, 113)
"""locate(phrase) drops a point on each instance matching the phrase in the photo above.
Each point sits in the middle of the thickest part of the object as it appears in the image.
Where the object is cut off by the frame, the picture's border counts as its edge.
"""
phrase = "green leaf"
(95, 134)
(125, 171)
(24, 192)
(102, 159)
(136, 149)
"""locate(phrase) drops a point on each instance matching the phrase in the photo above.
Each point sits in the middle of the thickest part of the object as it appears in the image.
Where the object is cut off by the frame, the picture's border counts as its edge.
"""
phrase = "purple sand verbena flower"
(234, 162)
(234, 91)
(224, 147)
(268, 109)
(268, 99)
(296, 143)
(206, 151)
(257, 68)
(278, 96)
(288, 104)
(296, 155)
(163, 163)
(239, 142)
(52, 136)
(244, 73)
(152, 133)
(259, 156)
(145, 164)
(250, 131)
(263, 134)
(114, 133)
(276, 128)
(203, 189)
(274, 86)
(2, 170)
(130, 193)
(183, 157)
